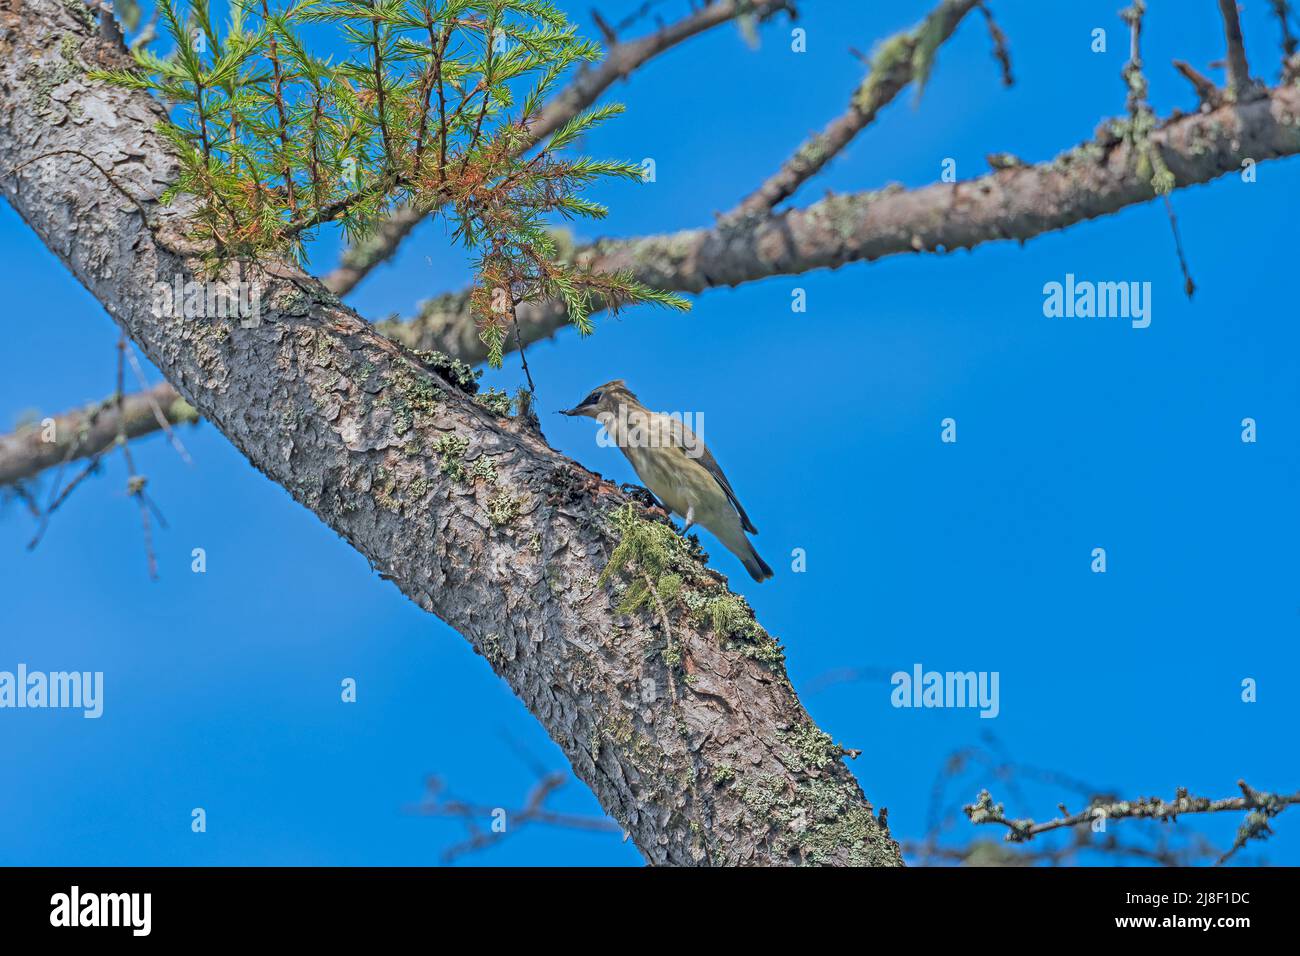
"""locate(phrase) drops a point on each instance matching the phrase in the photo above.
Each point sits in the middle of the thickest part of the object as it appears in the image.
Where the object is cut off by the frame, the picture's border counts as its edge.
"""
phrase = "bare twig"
(1210, 96)
(1001, 50)
(609, 34)
(1189, 287)
(159, 415)
(19, 491)
(519, 343)
(135, 483)
(148, 33)
(1262, 807)
(534, 810)
(1282, 9)
(92, 466)
(1150, 163)
(900, 60)
(1240, 84)
(996, 853)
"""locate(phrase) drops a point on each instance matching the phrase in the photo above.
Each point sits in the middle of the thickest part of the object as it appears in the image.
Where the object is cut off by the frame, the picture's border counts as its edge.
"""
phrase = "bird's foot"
(644, 497)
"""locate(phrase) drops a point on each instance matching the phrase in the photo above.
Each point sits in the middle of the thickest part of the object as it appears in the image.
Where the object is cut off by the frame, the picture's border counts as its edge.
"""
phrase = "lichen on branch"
(667, 571)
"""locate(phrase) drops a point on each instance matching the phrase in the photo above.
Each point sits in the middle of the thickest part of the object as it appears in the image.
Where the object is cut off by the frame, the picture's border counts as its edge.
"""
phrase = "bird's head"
(603, 400)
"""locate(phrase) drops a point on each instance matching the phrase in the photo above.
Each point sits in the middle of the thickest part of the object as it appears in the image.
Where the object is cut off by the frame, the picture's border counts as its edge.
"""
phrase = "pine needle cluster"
(431, 107)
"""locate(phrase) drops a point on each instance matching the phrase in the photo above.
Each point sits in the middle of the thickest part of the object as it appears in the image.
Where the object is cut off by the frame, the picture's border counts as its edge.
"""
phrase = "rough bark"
(693, 740)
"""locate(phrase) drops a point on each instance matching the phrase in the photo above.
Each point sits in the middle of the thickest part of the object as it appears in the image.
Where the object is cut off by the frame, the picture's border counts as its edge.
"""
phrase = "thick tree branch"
(583, 90)
(471, 515)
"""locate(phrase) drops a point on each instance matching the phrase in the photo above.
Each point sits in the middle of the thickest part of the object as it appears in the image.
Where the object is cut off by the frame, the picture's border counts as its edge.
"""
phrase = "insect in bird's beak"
(590, 402)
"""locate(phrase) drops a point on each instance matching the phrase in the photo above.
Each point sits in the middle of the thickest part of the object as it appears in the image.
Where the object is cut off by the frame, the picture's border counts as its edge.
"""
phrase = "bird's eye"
(591, 399)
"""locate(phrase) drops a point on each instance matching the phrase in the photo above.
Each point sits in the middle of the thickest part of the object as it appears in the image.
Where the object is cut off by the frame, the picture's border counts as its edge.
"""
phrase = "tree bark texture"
(678, 715)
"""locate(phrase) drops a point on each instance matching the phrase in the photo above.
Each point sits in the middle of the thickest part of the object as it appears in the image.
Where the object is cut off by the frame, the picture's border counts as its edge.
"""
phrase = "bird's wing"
(685, 439)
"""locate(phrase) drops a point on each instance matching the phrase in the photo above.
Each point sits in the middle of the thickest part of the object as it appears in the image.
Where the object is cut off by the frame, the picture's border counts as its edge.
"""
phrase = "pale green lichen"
(1149, 164)
(412, 398)
(418, 487)
(484, 468)
(732, 619)
(382, 486)
(822, 821)
(812, 748)
(450, 450)
(458, 373)
(44, 80)
(502, 508)
(496, 402)
(662, 564)
(181, 412)
(891, 55)
(79, 10)
(492, 650)
(656, 549)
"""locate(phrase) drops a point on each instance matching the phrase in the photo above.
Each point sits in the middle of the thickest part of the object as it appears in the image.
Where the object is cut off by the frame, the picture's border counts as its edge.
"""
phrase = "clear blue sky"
(222, 690)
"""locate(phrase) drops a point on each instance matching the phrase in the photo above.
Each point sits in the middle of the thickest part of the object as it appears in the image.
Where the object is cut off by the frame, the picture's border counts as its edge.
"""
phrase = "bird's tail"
(755, 565)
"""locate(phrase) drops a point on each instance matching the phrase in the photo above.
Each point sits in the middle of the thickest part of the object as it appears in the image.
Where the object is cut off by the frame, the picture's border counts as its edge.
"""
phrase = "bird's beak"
(567, 411)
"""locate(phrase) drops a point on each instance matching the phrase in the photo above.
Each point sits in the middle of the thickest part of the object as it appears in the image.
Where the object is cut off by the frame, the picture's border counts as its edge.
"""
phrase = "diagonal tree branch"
(85, 432)
(472, 515)
(898, 61)
(620, 61)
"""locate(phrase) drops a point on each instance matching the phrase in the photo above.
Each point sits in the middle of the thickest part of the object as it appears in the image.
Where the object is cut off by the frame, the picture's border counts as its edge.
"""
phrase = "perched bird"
(674, 464)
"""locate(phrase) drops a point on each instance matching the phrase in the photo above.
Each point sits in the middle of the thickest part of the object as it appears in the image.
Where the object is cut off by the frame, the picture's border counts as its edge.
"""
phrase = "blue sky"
(222, 689)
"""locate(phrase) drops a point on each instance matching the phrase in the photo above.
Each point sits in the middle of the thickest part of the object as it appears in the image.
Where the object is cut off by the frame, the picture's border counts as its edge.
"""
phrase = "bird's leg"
(690, 518)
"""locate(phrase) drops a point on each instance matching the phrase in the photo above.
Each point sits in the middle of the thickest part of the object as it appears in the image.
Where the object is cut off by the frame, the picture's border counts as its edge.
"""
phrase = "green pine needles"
(432, 108)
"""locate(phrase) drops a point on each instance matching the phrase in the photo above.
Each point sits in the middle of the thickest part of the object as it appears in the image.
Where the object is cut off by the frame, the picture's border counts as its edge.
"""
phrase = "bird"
(677, 468)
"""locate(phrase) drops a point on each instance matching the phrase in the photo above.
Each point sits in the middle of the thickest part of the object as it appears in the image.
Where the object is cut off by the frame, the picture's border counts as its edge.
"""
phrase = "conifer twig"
(586, 87)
